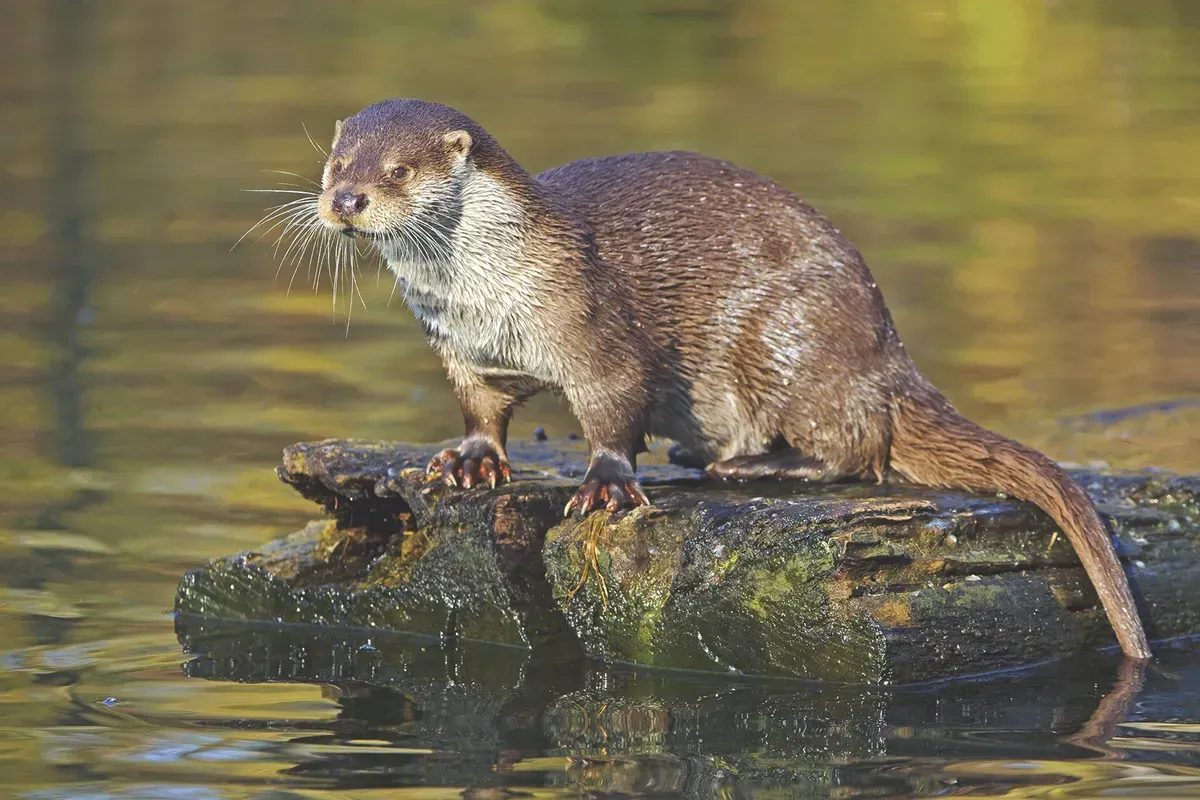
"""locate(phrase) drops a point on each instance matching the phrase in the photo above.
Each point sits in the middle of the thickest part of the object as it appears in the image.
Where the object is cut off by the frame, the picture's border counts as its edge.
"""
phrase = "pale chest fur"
(474, 293)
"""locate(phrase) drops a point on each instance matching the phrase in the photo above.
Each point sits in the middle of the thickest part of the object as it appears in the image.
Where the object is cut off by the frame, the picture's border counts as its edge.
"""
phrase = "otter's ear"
(458, 144)
(337, 133)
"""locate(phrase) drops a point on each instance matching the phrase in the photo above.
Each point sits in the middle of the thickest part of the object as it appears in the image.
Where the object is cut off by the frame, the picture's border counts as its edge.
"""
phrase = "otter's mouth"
(355, 233)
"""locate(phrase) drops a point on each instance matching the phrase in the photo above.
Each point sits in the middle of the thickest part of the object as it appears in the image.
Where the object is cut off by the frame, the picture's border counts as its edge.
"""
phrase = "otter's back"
(699, 239)
(745, 289)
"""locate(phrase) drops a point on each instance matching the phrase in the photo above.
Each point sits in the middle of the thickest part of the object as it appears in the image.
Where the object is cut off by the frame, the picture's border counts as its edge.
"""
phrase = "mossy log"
(853, 582)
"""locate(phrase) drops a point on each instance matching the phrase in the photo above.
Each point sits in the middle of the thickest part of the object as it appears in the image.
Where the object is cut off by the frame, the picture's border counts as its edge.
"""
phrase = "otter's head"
(396, 168)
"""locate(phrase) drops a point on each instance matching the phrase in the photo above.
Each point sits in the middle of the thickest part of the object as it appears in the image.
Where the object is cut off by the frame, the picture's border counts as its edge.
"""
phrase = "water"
(1024, 178)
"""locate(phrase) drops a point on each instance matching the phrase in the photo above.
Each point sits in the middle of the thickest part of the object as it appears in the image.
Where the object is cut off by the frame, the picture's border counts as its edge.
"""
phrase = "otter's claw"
(455, 469)
(611, 495)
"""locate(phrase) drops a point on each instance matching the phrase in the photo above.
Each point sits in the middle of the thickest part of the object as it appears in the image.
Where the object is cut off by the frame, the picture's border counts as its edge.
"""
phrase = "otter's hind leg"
(782, 464)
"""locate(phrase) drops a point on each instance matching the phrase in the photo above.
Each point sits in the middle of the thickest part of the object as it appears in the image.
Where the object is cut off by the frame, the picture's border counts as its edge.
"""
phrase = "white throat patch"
(468, 282)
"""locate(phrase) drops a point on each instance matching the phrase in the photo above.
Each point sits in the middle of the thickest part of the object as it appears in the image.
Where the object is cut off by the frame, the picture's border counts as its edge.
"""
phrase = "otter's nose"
(346, 203)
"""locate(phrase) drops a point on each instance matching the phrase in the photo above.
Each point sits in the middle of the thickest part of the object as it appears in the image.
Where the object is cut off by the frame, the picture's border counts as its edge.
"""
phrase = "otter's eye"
(335, 167)
(398, 173)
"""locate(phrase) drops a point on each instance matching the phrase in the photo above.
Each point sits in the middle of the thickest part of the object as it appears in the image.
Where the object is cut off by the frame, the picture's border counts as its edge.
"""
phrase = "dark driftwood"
(851, 582)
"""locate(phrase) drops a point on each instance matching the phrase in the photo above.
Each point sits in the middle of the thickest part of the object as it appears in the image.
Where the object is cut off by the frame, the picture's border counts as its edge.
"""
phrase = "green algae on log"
(852, 582)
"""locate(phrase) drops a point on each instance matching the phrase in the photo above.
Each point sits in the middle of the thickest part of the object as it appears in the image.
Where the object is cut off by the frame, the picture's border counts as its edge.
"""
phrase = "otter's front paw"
(469, 466)
(610, 485)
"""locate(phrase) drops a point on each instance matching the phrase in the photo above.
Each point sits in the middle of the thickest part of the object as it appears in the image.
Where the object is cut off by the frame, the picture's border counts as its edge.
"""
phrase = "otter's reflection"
(421, 712)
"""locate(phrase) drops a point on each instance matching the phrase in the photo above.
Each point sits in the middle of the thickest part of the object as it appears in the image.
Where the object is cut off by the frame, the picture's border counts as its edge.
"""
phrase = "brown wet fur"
(684, 297)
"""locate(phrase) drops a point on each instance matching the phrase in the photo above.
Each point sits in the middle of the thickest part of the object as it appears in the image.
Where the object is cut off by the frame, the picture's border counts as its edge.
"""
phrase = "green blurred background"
(1022, 176)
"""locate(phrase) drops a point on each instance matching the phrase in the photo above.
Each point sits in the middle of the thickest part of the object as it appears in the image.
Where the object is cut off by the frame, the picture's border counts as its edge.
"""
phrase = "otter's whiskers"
(304, 240)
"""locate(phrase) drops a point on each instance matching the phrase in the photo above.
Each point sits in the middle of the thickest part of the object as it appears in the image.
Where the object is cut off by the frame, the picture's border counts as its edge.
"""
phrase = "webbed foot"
(474, 463)
(780, 464)
(610, 484)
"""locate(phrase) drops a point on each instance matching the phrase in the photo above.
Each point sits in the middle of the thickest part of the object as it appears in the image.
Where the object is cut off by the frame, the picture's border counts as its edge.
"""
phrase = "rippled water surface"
(1023, 177)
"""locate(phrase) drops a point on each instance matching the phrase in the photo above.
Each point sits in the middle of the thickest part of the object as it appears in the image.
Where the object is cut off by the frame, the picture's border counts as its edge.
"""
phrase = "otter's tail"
(934, 446)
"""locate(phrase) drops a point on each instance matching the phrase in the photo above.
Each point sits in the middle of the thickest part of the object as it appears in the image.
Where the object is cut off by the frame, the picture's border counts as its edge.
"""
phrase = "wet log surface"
(851, 582)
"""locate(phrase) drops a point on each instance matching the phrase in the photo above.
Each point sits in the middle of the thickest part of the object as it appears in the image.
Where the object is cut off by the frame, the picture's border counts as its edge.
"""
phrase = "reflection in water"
(409, 712)
(68, 208)
(1022, 176)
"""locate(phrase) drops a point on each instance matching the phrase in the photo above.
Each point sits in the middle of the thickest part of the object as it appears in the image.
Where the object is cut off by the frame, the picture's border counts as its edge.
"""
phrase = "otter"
(672, 295)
